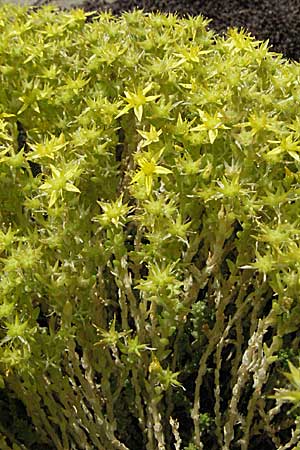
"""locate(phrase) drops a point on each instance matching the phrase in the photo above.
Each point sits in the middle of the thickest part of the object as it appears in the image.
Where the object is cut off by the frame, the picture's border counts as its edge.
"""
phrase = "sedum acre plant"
(149, 235)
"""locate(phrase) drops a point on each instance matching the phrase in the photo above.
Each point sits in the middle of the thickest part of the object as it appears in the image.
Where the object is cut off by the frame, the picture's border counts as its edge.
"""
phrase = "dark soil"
(276, 20)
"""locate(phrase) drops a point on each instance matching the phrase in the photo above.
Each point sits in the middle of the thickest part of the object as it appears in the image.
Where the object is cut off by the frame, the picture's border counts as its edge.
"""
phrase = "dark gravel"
(276, 20)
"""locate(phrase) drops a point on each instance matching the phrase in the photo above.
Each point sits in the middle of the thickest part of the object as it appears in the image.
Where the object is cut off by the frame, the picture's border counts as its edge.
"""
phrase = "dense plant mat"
(276, 20)
(149, 192)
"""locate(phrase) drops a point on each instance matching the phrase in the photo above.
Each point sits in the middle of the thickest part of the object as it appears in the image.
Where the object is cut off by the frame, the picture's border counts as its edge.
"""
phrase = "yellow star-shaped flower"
(149, 168)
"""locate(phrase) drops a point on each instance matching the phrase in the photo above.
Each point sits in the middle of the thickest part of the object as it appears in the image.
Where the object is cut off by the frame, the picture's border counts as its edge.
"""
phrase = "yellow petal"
(162, 170)
(71, 188)
(138, 111)
(53, 198)
(148, 183)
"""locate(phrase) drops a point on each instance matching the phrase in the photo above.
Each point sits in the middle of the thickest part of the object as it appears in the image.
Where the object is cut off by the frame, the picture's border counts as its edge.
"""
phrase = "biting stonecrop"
(149, 269)
(148, 168)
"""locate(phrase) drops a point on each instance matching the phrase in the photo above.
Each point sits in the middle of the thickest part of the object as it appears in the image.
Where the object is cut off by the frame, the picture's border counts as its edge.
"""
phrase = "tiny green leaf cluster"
(149, 269)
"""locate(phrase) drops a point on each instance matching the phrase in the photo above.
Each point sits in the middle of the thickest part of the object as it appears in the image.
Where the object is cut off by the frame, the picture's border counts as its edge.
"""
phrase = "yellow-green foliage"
(149, 234)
